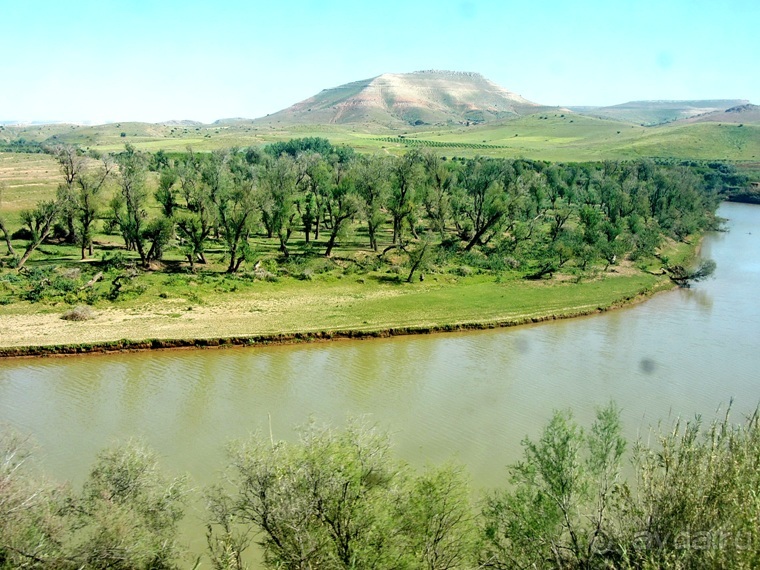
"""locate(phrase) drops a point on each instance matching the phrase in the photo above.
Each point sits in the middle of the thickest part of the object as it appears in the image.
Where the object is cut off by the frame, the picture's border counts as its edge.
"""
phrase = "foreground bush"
(125, 517)
(338, 499)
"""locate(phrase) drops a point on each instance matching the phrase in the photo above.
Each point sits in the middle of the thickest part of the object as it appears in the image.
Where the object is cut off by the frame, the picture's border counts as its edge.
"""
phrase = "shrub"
(79, 313)
(307, 274)
(263, 275)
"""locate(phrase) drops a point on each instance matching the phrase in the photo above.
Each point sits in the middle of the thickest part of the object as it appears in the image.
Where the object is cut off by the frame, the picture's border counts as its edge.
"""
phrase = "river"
(471, 397)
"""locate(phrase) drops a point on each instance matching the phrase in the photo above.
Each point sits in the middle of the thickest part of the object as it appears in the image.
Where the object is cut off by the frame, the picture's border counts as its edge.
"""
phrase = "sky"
(157, 60)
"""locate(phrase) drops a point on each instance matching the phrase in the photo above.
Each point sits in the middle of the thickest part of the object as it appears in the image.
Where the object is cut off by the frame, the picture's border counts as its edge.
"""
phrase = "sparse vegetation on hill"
(396, 100)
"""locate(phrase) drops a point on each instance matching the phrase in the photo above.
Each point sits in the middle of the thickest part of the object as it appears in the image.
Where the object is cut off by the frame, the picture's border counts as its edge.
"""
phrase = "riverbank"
(302, 312)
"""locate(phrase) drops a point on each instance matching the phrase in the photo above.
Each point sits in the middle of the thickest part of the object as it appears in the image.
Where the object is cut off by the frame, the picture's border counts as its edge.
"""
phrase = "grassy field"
(546, 136)
(217, 306)
(25, 179)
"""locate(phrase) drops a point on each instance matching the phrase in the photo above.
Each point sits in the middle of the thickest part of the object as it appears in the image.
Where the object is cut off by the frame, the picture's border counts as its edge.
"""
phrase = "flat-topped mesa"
(428, 97)
(448, 72)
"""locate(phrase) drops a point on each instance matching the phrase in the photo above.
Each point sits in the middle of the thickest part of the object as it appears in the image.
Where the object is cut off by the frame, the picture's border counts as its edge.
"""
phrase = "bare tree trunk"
(7, 237)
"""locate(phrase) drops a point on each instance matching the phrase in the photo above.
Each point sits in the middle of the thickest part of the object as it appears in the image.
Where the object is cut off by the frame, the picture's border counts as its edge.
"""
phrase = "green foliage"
(528, 218)
(128, 512)
(318, 145)
(129, 207)
(21, 145)
(125, 517)
(558, 513)
(695, 503)
(338, 500)
(30, 523)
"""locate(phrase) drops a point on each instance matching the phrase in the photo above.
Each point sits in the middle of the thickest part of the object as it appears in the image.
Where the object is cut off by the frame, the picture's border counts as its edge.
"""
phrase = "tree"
(194, 229)
(419, 255)
(682, 276)
(695, 502)
(129, 208)
(165, 194)
(336, 499)
(195, 223)
(278, 187)
(231, 181)
(39, 220)
(559, 512)
(72, 164)
(87, 201)
(437, 521)
(125, 517)
(371, 176)
(341, 204)
(312, 180)
(30, 519)
(127, 514)
(3, 228)
(321, 503)
(493, 193)
(158, 232)
(406, 176)
(440, 178)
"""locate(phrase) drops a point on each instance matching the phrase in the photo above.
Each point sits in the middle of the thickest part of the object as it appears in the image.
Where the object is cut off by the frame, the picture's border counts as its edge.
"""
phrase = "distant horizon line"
(96, 123)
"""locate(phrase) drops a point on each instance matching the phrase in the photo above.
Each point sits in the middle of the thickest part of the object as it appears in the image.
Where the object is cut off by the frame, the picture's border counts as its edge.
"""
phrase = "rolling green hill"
(458, 113)
(649, 113)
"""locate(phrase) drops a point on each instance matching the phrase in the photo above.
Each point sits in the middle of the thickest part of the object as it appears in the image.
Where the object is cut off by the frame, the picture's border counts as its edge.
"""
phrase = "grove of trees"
(310, 198)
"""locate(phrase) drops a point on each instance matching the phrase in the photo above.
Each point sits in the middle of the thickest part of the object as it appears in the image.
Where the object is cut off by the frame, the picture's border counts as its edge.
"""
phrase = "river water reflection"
(471, 397)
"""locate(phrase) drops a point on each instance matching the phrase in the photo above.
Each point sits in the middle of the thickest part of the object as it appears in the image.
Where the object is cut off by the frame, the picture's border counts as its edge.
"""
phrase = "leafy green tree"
(319, 504)
(39, 221)
(195, 223)
(193, 229)
(419, 256)
(440, 179)
(128, 513)
(485, 196)
(71, 162)
(371, 176)
(189, 170)
(129, 208)
(158, 232)
(342, 203)
(278, 196)
(31, 526)
(559, 512)
(694, 504)
(166, 193)
(125, 517)
(614, 243)
(312, 181)
(88, 201)
(436, 520)
(406, 177)
(231, 183)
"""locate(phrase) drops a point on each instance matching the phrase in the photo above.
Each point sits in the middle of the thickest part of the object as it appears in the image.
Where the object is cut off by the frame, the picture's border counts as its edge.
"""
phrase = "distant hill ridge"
(657, 112)
(434, 97)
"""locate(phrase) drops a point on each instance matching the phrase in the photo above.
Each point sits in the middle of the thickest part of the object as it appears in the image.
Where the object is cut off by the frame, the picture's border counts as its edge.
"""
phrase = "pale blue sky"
(122, 60)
